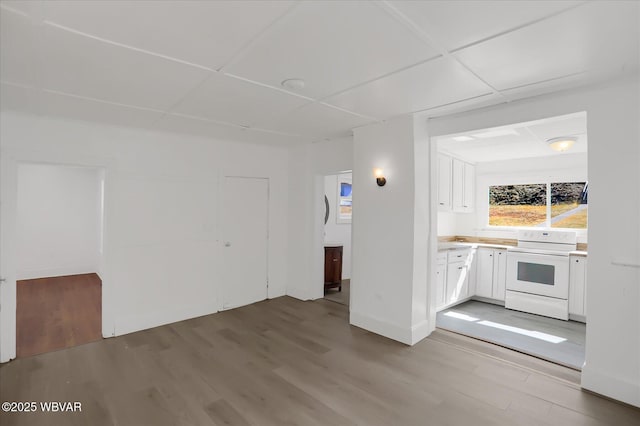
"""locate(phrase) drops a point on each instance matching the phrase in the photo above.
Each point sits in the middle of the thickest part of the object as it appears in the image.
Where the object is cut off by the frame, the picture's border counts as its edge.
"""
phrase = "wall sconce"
(379, 175)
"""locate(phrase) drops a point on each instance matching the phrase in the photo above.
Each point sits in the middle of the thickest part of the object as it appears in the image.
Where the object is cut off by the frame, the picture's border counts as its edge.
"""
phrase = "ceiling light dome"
(562, 143)
(293, 84)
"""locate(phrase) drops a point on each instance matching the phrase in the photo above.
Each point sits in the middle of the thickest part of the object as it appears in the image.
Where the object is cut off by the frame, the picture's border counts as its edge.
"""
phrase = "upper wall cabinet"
(456, 185)
(444, 182)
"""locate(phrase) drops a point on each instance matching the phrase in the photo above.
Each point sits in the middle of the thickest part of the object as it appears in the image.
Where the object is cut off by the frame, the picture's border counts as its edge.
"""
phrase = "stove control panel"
(563, 237)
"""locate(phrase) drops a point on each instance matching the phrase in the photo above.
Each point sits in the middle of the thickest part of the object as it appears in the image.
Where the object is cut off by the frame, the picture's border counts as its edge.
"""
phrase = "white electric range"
(538, 273)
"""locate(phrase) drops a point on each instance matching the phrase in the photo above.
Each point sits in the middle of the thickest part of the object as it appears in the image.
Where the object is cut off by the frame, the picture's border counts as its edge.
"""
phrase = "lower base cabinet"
(453, 270)
(578, 286)
(457, 282)
(491, 275)
(441, 279)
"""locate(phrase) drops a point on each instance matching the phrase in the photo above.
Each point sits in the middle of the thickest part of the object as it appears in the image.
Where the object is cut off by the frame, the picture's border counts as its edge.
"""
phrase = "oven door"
(541, 274)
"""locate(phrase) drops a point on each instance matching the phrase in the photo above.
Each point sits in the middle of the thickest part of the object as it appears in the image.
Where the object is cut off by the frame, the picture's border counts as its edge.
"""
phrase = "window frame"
(547, 224)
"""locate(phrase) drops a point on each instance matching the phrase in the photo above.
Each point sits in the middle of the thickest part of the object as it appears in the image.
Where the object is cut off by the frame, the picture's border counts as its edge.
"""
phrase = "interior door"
(245, 218)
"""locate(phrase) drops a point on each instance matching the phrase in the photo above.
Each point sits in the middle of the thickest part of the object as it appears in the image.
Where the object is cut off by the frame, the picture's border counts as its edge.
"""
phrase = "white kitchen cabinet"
(457, 282)
(444, 182)
(463, 186)
(491, 274)
(456, 185)
(578, 286)
(499, 274)
(441, 279)
(458, 266)
(469, 187)
(484, 273)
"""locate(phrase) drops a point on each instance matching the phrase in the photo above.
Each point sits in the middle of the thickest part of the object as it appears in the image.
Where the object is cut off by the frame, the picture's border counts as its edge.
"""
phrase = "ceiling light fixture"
(562, 144)
(293, 84)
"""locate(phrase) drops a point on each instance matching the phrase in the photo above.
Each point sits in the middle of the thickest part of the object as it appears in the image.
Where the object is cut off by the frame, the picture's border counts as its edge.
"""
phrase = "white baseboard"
(297, 293)
(619, 388)
(420, 331)
(125, 324)
(32, 274)
(408, 336)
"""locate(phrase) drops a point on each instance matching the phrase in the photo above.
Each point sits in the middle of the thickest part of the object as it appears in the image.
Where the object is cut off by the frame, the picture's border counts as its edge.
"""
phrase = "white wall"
(612, 363)
(390, 230)
(161, 213)
(557, 168)
(308, 164)
(337, 232)
(58, 221)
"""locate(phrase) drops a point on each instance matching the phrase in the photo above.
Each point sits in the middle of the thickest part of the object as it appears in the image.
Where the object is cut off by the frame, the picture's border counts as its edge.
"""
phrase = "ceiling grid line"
(516, 28)
(125, 46)
(430, 40)
(261, 35)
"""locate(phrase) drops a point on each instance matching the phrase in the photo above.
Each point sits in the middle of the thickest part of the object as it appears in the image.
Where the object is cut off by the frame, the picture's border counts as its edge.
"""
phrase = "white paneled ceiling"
(521, 140)
(333, 45)
(214, 68)
(430, 84)
(208, 33)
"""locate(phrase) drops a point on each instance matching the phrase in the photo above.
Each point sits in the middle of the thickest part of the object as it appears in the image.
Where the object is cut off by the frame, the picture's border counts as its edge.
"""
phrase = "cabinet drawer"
(458, 255)
(441, 257)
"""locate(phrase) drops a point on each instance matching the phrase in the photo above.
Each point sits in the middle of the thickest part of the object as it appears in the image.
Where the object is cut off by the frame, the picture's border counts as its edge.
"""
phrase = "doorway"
(337, 237)
(59, 239)
(503, 194)
(245, 236)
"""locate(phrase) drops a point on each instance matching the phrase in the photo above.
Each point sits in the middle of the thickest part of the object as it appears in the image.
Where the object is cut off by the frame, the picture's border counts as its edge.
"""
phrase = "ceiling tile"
(434, 83)
(332, 46)
(599, 38)
(18, 98)
(83, 66)
(29, 100)
(207, 33)
(460, 23)
(316, 119)
(18, 47)
(211, 130)
(229, 99)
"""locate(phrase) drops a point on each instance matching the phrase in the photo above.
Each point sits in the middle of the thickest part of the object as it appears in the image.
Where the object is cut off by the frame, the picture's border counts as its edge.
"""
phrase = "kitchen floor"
(554, 340)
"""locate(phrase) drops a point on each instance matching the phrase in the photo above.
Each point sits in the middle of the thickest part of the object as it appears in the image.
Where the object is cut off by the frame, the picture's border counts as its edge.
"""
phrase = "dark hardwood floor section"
(288, 362)
(57, 313)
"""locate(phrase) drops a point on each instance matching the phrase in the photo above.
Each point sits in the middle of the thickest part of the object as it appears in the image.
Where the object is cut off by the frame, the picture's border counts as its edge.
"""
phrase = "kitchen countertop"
(455, 245)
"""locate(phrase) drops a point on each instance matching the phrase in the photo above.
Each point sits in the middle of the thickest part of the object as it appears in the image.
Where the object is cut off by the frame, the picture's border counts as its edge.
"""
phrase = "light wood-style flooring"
(56, 313)
(288, 362)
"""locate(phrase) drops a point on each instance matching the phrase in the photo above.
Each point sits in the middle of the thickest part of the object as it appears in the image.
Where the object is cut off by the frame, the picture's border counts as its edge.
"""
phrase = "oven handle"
(537, 252)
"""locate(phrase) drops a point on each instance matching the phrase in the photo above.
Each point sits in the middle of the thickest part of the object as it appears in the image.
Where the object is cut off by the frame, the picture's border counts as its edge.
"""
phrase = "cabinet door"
(469, 187)
(332, 265)
(457, 184)
(457, 282)
(484, 274)
(577, 281)
(444, 182)
(472, 265)
(441, 284)
(499, 274)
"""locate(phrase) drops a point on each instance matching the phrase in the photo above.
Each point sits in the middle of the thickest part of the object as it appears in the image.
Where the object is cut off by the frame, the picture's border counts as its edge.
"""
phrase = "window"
(555, 205)
(344, 198)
